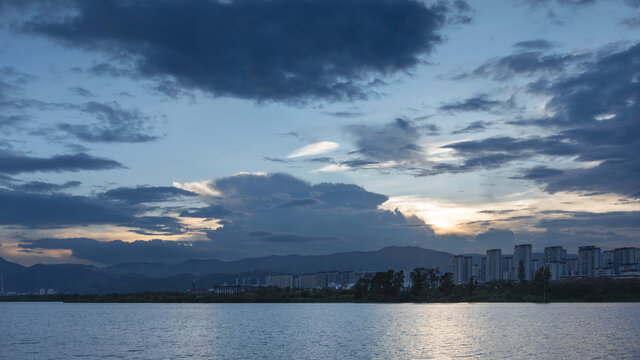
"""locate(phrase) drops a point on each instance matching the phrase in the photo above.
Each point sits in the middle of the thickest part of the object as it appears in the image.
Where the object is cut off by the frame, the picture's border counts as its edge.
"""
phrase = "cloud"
(596, 112)
(13, 163)
(538, 44)
(280, 214)
(80, 91)
(631, 22)
(114, 125)
(279, 50)
(397, 141)
(524, 63)
(318, 148)
(47, 210)
(111, 252)
(45, 187)
(202, 188)
(586, 220)
(496, 238)
(476, 126)
(481, 102)
(210, 212)
(144, 194)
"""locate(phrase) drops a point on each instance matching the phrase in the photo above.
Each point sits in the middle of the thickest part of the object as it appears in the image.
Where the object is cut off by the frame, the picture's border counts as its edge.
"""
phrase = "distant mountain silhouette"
(134, 277)
(393, 257)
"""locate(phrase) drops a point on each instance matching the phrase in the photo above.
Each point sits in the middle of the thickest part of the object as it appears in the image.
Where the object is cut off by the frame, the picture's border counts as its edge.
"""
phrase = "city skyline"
(170, 131)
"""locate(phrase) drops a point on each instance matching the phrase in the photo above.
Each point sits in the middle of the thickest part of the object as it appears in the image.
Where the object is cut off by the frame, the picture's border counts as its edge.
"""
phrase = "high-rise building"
(608, 259)
(494, 265)
(555, 258)
(522, 262)
(625, 259)
(461, 267)
(507, 268)
(573, 267)
(588, 260)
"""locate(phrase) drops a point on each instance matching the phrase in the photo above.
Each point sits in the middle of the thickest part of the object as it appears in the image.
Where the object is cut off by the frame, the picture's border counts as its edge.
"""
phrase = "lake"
(319, 331)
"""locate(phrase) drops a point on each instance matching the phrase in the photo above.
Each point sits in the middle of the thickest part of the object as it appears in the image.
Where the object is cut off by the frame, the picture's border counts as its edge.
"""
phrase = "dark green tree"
(446, 284)
(542, 279)
(418, 282)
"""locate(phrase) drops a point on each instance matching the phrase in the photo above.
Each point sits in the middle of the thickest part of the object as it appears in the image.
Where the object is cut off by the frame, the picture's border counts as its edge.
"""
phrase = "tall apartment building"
(555, 258)
(522, 262)
(588, 260)
(461, 267)
(625, 259)
(507, 267)
(493, 265)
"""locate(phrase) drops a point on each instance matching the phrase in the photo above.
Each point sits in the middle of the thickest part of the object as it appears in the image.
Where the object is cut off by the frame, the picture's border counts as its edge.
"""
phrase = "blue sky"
(174, 130)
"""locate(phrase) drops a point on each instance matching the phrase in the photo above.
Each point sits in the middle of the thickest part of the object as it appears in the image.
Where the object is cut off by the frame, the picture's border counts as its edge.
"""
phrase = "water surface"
(319, 331)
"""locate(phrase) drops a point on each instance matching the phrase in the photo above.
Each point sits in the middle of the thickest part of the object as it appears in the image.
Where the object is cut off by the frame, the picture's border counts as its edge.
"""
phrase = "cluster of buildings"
(523, 265)
(320, 280)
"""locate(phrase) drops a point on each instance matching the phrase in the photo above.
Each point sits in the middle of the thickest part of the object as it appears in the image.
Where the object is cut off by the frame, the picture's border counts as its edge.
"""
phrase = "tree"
(418, 281)
(521, 270)
(542, 279)
(446, 284)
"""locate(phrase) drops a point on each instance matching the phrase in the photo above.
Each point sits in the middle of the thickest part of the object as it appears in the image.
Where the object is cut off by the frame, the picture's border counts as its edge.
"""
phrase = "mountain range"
(133, 277)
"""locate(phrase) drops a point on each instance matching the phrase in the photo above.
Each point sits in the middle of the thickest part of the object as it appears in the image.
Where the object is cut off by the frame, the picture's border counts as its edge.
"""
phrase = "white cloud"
(314, 149)
(332, 168)
(202, 187)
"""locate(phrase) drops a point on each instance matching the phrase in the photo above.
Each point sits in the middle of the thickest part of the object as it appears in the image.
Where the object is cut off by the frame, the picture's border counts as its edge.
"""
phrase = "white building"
(494, 265)
(522, 262)
(461, 267)
(555, 258)
(507, 268)
(588, 260)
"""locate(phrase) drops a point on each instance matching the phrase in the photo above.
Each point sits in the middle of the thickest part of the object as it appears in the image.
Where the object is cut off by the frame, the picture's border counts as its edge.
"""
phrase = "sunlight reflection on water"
(319, 331)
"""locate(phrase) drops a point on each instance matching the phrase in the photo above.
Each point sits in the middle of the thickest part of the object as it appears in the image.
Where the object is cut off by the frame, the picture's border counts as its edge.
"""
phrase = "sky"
(163, 131)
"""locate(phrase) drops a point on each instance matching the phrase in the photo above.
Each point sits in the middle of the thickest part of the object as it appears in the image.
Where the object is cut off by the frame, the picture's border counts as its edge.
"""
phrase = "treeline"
(427, 286)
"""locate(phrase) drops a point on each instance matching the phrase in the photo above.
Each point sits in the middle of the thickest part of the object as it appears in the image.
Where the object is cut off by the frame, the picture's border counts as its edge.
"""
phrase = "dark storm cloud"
(483, 162)
(52, 210)
(586, 220)
(264, 215)
(476, 126)
(540, 172)
(499, 238)
(279, 50)
(155, 225)
(397, 141)
(144, 194)
(14, 163)
(280, 214)
(481, 103)
(111, 252)
(45, 187)
(210, 212)
(114, 125)
(597, 111)
(506, 144)
(298, 203)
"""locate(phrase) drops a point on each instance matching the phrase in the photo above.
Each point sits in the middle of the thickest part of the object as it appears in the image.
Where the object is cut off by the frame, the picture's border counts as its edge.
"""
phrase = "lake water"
(319, 331)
